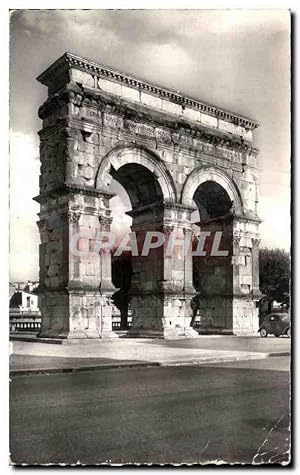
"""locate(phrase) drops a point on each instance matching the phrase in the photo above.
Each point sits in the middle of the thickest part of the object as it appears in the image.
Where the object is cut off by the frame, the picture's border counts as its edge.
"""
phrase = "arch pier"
(175, 156)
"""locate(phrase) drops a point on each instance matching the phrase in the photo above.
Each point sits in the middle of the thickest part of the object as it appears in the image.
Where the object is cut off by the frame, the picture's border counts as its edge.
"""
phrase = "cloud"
(237, 59)
(154, 26)
(276, 226)
(24, 184)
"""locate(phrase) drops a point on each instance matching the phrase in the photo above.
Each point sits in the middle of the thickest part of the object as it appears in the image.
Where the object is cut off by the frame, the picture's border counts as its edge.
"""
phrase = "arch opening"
(137, 158)
(212, 200)
(213, 272)
(138, 206)
(140, 184)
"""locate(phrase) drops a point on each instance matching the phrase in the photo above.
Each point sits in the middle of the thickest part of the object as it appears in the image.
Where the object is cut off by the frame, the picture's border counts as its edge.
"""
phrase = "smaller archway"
(211, 175)
(213, 272)
(212, 201)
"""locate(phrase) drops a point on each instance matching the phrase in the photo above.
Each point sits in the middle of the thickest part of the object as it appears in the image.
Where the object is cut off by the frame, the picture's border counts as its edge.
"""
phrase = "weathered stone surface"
(180, 155)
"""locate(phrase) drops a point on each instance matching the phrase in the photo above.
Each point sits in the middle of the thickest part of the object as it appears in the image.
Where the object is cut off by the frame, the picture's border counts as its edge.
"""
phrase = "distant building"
(30, 286)
(24, 313)
(12, 289)
(23, 302)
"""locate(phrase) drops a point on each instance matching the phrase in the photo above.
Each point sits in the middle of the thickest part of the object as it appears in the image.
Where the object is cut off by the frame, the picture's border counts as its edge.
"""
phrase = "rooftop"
(69, 60)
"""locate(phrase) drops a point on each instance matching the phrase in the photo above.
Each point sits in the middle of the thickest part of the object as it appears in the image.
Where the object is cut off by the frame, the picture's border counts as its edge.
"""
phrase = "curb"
(225, 359)
(199, 362)
(33, 339)
(80, 369)
(280, 353)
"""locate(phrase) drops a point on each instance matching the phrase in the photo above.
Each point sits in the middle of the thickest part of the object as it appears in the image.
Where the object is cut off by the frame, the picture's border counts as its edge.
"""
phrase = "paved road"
(229, 343)
(223, 412)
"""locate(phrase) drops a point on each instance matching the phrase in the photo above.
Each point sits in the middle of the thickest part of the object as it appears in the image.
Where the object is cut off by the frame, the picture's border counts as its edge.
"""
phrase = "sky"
(235, 59)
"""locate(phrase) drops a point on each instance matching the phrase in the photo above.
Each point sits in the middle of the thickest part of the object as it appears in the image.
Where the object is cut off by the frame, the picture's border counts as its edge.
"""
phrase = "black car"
(275, 324)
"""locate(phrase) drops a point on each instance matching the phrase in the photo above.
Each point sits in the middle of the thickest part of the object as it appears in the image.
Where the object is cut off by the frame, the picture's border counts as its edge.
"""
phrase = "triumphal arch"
(173, 155)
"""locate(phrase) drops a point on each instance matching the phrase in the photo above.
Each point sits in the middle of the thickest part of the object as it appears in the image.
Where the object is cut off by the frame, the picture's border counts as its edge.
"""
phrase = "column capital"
(168, 229)
(236, 238)
(256, 242)
(73, 216)
(105, 222)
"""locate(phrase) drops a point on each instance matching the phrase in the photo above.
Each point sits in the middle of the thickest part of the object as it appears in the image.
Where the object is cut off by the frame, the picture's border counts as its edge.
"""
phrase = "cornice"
(72, 188)
(69, 60)
(139, 113)
(248, 218)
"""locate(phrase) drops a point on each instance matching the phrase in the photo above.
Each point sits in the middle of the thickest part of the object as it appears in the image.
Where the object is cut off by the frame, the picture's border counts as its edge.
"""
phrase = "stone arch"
(133, 154)
(201, 175)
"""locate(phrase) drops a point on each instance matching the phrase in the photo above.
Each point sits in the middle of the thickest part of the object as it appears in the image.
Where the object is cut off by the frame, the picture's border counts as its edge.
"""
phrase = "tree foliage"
(274, 274)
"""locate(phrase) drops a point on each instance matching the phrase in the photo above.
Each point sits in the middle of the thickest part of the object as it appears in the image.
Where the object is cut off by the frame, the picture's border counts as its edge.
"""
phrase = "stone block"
(209, 120)
(226, 126)
(178, 275)
(114, 122)
(238, 130)
(80, 158)
(131, 94)
(110, 86)
(90, 268)
(151, 101)
(46, 259)
(53, 270)
(247, 134)
(85, 220)
(93, 139)
(183, 159)
(163, 135)
(85, 147)
(85, 171)
(91, 160)
(82, 77)
(172, 108)
(144, 130)
(167, 156)
(246, 280)
(180, 178)
(191, 114)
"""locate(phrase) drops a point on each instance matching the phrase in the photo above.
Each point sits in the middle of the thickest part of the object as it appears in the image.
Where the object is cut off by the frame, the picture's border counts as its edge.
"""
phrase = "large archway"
(147, 190)
(145, 161)
(157, 281)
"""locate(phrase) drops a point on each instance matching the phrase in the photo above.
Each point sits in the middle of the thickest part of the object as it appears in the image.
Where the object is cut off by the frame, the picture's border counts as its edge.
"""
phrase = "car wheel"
(263, 333)
(288, 333)
(277, 334)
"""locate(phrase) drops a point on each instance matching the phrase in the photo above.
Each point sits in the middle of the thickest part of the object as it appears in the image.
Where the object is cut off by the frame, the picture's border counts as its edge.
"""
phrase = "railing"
(20, 324)
(17, 311)
(117, 325)
(197, 324)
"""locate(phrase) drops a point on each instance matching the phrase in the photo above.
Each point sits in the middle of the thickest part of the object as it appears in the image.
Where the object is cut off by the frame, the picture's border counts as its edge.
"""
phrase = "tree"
(274, 275)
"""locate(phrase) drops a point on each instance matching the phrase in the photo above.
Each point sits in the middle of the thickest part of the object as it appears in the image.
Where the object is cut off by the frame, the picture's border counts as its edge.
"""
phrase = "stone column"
(162, 287)
(255, 267)
(177, 285)
(147, 272)
(216, 275)
(246, 291)
(75, 281)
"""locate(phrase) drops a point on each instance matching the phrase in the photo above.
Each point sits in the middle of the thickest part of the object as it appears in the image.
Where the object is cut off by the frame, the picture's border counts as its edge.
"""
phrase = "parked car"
(275, 324)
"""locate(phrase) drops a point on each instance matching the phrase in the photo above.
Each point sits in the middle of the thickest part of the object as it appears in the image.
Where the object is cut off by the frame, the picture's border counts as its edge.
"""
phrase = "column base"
(77, 337)
(165, 334)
